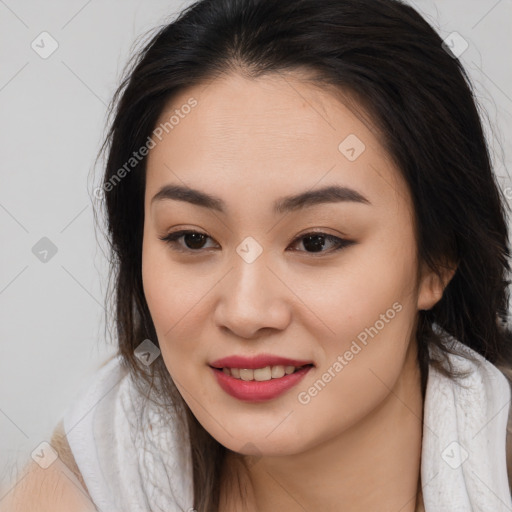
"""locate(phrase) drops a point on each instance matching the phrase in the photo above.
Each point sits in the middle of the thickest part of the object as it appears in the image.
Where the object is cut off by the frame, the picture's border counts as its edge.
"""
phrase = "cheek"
(172, 290)
(368, 309)
(371, 316)
(370, 284)
(174, 315)
(175, 297)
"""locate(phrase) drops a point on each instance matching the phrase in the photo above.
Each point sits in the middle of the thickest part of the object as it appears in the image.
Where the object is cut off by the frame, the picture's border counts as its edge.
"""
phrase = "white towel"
(463, 465)
(128, 467)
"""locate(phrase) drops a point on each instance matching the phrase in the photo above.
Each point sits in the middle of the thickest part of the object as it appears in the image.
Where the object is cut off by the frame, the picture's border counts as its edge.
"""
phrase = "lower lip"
(258, 391)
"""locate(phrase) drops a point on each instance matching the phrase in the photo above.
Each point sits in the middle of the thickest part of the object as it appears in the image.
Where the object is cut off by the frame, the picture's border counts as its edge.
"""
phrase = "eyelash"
(172, 240)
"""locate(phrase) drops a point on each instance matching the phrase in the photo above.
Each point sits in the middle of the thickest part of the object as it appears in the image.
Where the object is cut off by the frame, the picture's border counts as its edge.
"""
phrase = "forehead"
(267, 138)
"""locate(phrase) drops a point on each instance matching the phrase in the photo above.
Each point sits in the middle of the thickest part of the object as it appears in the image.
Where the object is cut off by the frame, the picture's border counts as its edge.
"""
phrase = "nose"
(253, 299)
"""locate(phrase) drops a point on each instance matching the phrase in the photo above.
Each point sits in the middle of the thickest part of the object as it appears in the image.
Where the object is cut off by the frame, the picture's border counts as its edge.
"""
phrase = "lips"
(254, 390)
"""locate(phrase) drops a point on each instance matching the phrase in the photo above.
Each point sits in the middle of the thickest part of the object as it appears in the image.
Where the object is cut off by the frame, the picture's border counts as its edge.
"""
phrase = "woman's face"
(280, 267)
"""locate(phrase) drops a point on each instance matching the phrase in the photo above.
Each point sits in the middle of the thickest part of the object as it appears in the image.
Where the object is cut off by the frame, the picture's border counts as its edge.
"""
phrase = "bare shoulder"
(45, 490)
(56, 488)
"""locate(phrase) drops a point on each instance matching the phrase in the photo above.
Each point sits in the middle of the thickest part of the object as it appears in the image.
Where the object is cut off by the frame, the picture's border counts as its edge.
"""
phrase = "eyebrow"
(329, 194)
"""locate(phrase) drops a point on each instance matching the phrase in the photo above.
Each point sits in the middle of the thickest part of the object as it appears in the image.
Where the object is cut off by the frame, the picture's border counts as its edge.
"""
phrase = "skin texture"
(251, 142)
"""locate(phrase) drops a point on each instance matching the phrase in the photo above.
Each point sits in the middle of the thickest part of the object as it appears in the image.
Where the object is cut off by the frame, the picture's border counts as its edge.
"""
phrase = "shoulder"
(60, 486)
(60, 444)
(56, 488)
(507, 371)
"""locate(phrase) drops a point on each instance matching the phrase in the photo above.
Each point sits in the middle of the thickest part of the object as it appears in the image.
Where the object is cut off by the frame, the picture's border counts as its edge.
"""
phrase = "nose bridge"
(251, 276)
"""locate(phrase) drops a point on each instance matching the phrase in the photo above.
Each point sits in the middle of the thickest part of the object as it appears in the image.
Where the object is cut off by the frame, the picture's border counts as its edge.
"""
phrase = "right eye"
(194, 240)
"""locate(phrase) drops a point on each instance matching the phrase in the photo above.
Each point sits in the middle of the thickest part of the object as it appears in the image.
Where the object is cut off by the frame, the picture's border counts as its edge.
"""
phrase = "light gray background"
(52, 123)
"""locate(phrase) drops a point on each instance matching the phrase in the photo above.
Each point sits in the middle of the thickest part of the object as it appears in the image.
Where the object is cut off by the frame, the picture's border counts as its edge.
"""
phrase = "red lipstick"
(258, 391)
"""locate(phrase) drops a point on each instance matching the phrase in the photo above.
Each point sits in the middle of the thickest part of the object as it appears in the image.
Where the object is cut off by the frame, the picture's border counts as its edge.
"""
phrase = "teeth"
(260, 374)
(246, 374)
(289, 369)
(277, 372)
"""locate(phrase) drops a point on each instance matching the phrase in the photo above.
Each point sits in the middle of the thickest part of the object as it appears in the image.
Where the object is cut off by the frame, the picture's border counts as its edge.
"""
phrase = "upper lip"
(259, 361)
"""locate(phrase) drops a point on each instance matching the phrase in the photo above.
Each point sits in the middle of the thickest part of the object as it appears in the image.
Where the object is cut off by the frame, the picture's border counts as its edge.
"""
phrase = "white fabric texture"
(127, 449)
(129, 467)
(464, 465)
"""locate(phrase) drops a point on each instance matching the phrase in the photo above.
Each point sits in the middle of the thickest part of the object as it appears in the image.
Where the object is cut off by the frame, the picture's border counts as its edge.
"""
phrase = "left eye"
(317, 241)
(313, 242)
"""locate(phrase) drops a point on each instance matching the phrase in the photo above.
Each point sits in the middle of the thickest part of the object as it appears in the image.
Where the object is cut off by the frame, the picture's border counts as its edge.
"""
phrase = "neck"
(374, 465)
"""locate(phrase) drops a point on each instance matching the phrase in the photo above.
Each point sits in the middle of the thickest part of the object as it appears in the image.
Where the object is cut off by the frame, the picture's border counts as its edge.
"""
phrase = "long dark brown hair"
(421, 103)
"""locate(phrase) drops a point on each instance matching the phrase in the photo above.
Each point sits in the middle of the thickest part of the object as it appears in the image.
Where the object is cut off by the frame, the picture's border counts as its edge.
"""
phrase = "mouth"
(260, 382)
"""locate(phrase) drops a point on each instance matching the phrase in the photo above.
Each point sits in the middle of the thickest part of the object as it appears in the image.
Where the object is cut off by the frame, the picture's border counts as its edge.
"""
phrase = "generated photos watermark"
(141, 153)
(305, 397)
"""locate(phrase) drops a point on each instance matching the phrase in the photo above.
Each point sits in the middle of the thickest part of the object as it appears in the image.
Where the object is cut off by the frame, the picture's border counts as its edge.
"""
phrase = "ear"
(432, 285)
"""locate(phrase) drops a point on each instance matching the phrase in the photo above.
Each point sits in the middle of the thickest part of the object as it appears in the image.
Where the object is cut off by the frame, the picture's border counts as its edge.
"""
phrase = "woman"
(310, 255)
